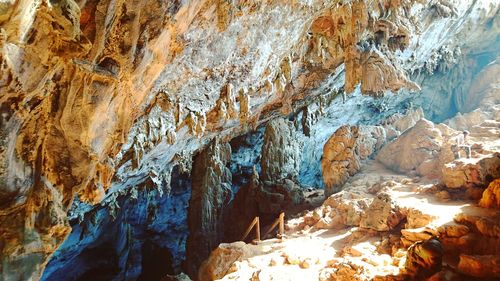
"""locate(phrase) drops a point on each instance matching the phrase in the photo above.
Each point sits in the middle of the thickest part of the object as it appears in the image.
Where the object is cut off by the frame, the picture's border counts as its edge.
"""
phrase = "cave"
(249, 140)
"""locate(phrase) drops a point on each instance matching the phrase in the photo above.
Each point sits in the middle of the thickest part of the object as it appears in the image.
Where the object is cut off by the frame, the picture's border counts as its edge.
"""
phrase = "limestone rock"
(339, 159)
(100, 97)
(417, 145)
(342, 209)
(399, 123)
(220, 261)
(280, 152)
(487, 266)
(343, 152)
(424, 259)
(211, 192)
(381, 215)
(491, 196)
(461, 174)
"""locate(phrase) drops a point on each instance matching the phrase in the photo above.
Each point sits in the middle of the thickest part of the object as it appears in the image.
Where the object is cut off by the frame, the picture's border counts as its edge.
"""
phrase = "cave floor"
(309, 253)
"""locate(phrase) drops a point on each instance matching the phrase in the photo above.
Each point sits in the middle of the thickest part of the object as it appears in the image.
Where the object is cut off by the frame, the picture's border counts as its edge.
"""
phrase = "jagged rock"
(80, 82)
(381, 215)
(487, 266)
(491, 196)
(220, 261)
(417, 145)
(377, 68)
(280, 152)
(462, 174)
(424, 259)
(343, 152)
(343, 210)
(211, 193)
(341, 272)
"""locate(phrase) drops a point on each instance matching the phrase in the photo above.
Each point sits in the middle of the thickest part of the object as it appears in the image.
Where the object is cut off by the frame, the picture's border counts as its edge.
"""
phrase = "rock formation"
(280, 151)
(386, 225)
(211, 192)
(349, 145)
(491, 195)
(344, 151)
(103, 101)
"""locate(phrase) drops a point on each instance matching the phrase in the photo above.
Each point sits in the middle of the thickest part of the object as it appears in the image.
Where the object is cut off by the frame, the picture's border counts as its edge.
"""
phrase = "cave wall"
(99, 98)
(140, 236)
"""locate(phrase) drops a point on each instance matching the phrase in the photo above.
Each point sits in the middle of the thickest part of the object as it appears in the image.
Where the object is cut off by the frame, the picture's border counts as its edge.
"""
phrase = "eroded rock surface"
(101, 98)
(211, 192)
(387, 225)
(280, 158)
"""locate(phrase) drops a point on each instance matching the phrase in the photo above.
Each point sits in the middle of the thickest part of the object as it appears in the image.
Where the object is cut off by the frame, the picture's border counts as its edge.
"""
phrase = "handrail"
(256, 223)
(281, 221)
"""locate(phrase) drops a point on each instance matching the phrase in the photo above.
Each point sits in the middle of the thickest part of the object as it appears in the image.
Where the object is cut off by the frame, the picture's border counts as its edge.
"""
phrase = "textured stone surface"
(220, 261)
(280, 158)
(345, 149)
(460, 174)
(349, 145)
(424, 259)
(104, 96)
(382, 214)
(480, 266)
(419, 144)
(211, 192)
(491, 196)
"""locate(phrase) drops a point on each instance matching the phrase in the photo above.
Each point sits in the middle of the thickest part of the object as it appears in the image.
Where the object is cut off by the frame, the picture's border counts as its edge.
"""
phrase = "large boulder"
(344, 150)
(491, 196)
(424, 259)
(220, 261)
(422, 149)
(417, 145)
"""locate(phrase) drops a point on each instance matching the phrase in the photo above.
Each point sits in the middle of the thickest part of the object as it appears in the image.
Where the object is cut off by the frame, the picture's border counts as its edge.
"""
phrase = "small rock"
(305, 263)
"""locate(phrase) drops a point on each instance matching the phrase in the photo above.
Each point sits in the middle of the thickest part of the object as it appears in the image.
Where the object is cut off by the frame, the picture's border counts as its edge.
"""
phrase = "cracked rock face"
(101, 99)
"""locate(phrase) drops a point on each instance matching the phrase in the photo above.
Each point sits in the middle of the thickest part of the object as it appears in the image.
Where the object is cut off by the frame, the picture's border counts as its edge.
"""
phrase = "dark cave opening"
(100, 263)
(156, 262)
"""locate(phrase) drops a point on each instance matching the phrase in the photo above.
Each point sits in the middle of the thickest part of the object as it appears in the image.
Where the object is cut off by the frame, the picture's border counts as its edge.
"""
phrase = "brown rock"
(415, 235)
(480, 266)
(343, 152)
(424, 259)
(454, 230)
(220, 261)
(491, 196)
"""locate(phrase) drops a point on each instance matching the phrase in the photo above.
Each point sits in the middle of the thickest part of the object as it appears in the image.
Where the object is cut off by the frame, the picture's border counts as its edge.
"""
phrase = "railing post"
(257, 230)
(282, 225)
